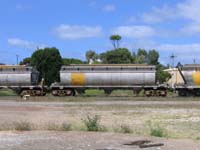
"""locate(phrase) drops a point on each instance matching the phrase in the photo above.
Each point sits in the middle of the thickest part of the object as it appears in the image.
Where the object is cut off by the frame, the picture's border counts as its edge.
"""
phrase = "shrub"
(125, 129)
(156, 130)
(197, 138)
(92, 123)
(22, 126)
(66, 127)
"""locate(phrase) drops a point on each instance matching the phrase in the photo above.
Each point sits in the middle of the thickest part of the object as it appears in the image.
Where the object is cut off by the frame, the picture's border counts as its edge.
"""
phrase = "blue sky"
(76, 26)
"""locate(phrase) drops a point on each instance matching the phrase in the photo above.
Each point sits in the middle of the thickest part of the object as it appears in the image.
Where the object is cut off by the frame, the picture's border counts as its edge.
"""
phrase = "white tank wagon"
(191, 76)
(17, 76)
(24, 80)
(107, 77)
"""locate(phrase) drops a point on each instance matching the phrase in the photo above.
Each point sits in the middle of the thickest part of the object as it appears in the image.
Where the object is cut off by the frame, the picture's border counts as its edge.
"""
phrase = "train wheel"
(25, 92)
(39, 93)
(61, 93)
(69, 92)
(54, 92)
(163, 93)
(148, 93)
(33, 92)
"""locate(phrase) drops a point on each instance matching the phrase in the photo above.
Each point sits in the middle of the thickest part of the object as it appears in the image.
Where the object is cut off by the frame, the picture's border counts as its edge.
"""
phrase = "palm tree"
(115, 40)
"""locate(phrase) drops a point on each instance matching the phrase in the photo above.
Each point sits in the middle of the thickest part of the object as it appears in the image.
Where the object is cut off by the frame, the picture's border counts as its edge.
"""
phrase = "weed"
(58, 127)
(66, 127)
(53, 126)
(125, 129)
(22, 126)
(156, 130)
(197, 138)
(5, 126)
(92, 123)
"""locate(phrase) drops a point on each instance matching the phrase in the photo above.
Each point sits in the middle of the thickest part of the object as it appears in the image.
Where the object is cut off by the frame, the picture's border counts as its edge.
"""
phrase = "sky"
(75, 26)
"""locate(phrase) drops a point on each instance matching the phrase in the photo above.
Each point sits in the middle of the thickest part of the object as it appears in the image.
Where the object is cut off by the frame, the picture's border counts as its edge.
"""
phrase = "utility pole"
(194, 61)
(173, 59)
(17, 57)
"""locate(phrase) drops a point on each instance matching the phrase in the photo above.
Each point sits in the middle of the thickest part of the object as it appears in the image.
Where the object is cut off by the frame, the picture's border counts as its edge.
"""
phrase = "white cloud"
(134, 31)
(109, 8)
(187, 10)
(184, 49)
(181, 49)
(185, 53)
(20, 43)
(77, 32)
(159, 14)
(133, 19)
(191, 29)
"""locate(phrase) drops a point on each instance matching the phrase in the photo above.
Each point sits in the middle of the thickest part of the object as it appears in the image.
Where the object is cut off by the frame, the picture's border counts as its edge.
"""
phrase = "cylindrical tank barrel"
(17, 76)
(107, 75)
(191, 74)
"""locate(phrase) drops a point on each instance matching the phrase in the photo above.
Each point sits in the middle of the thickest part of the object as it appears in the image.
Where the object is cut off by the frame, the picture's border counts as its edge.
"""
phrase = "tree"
(117, 56)
(69, 61)
(37, 60)
(153, 57)
(134, 57)
(48, 62)
(142, 52)
(161, 76)
(26, 61)
(142, 56)
(115, 40)
(91, 55)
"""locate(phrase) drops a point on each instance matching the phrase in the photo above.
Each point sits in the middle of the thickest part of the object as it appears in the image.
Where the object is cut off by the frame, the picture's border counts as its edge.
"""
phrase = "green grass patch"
(7, 92)
(156, 129)
(94, 92)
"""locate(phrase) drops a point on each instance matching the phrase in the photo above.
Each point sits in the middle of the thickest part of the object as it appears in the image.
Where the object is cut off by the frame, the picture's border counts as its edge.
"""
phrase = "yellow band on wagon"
(77, 79)
(196, 78)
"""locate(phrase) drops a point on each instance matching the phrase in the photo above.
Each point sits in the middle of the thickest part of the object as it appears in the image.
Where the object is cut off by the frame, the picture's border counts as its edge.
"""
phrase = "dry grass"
(22, 126)
(178, 117)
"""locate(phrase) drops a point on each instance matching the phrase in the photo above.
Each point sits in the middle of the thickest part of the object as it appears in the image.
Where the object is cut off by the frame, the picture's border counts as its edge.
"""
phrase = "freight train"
(22, 79)
(78, 78)
(108, 78)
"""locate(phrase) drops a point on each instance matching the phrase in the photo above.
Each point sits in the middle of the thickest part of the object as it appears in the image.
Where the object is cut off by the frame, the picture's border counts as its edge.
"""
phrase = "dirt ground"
(179, 118)
(72, 140)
